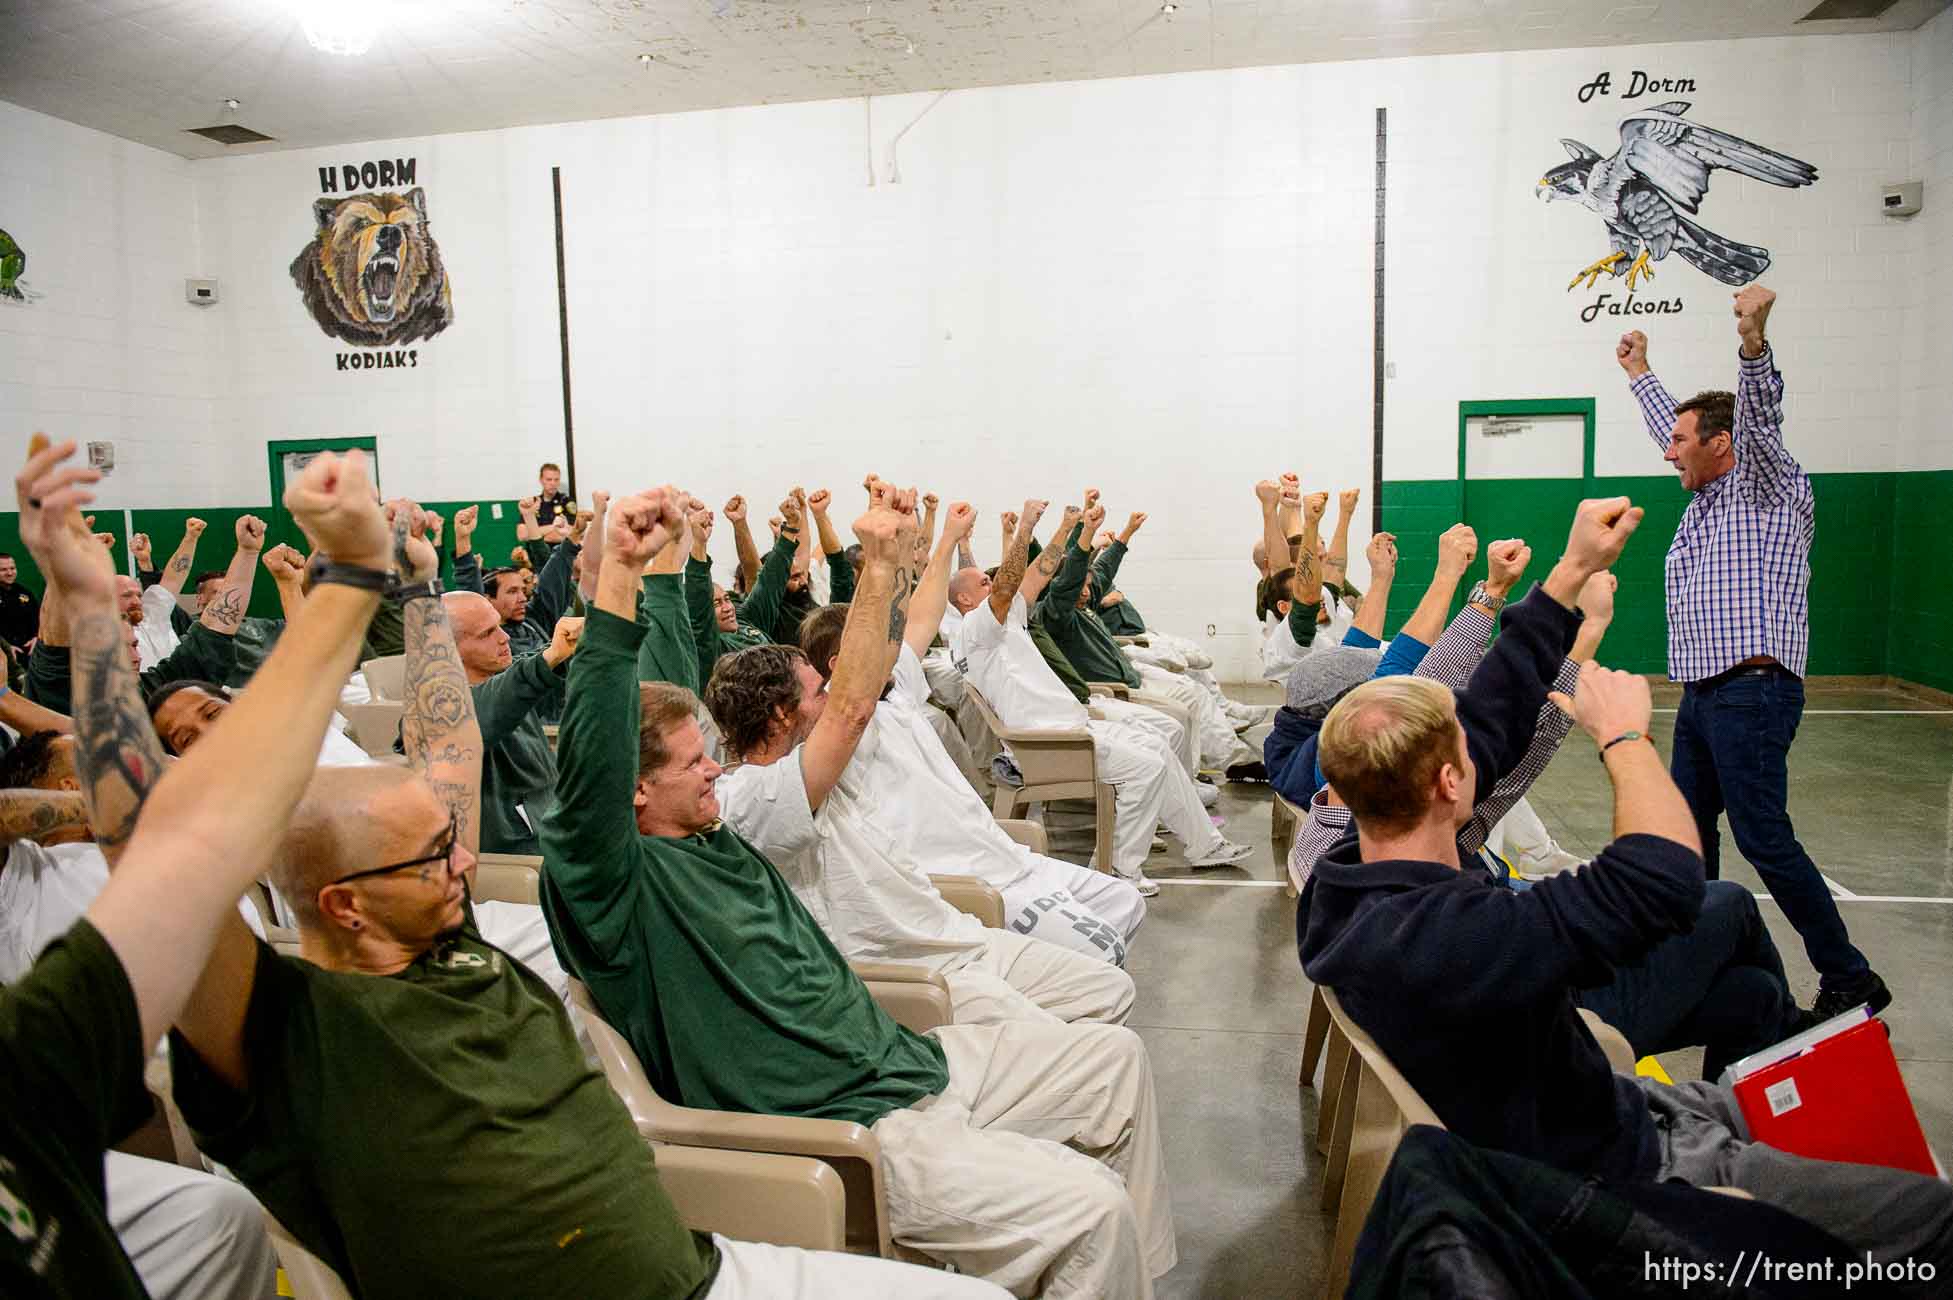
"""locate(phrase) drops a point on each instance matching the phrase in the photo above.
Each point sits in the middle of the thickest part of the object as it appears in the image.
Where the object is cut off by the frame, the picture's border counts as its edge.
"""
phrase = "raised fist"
(735, 510)
(464, 520)
(562, 644)
(790, 512)
(1314, 505)
(1632, 353)
(284, 564)
(528, 506)
(1033, 511)
(250, 533)
(50, 495)
(701, 521)
(139, 548)
(1091, 497)
(930, 501)
(1093, 517)
(1382, 554)
(194, 526)
(1752, 307)
(1457, 548)
(641, 525)
(1268, 492)
(819, 501)
(1601, 527)
(1609, 703)
(1505, 561)
(1346, 500)
(332, 499)
(1134, 522)
(1596, 599)
(435, 526)
(1009, 518)
(887, 533)
(958, 522)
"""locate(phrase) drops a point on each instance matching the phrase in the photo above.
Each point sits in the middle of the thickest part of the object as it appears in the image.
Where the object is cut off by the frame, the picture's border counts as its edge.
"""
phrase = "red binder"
(1834, 1093)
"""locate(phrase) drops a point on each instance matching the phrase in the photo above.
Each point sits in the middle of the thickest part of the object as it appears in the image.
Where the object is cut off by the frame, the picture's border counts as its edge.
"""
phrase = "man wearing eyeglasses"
(402, 1060)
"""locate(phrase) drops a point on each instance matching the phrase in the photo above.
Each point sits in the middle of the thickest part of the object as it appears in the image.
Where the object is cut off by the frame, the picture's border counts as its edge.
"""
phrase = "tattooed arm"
(191, 840)
(1017, 554)
(178, 569)
(872, 637)
(225, 610)
(438, 730)
(1050, 560)
(40, 814)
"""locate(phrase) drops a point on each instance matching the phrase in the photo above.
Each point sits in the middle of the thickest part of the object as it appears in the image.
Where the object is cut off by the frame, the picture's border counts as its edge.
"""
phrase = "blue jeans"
(1721, 985)
(1732, 749)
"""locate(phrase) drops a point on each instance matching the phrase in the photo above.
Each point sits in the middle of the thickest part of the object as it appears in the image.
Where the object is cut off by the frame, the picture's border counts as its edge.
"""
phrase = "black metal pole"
(563, 329)
(1376, 346)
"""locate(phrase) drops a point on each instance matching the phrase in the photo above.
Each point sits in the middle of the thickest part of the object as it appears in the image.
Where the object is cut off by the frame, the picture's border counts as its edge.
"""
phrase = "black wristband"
(406, 591)
(1625, 735)
(352, 575)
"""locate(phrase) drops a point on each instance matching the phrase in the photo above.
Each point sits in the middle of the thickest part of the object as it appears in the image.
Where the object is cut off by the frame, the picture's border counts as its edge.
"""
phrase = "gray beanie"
(1315, 684)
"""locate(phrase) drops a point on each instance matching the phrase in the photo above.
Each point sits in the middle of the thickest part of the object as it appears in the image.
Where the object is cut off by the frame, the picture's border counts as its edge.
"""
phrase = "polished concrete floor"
(1222, 998)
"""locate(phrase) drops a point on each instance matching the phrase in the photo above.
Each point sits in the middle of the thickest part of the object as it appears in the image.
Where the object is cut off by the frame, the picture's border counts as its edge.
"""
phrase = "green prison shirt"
(695, 948)
(757, 613)
(668, 654)
(71, 1060)
(437, 1132)
(518, 773)
(203, 655)
(1078, 632)
(1122, 619)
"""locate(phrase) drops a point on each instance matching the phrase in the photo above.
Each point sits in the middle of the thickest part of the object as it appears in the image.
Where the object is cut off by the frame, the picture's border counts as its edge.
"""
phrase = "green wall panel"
(1853, 607)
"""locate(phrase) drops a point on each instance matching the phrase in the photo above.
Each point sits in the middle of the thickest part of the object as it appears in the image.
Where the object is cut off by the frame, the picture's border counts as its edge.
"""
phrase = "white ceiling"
(148, 70)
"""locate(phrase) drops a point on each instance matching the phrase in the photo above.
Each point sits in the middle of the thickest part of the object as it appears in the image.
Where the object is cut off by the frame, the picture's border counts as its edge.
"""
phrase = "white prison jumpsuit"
(875, 906)
(1149, 785)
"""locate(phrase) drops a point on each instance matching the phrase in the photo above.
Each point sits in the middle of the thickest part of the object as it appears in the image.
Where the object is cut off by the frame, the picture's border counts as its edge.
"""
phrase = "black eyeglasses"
(444, 854)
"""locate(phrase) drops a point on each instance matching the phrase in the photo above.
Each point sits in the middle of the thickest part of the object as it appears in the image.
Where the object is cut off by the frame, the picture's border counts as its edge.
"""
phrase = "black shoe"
(1247, 772)
(1869, 991)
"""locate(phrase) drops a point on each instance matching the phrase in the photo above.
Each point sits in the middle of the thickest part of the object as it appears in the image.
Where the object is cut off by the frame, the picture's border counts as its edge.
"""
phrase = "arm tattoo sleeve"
(37, 814)
(1011, 576)
(117, 751)
(1049, 559)
(438, 729)
(180, 565)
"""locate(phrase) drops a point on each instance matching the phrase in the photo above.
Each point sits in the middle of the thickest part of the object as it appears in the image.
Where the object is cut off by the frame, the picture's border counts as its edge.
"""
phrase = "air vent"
(229, 133)
(1839, 11)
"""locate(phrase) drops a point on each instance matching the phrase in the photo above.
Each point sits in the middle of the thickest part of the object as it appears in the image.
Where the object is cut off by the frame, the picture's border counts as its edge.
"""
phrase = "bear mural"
(372, 274)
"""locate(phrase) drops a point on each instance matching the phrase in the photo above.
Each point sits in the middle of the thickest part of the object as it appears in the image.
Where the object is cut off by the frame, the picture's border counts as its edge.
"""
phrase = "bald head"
(343, 823)
(968, 588)
(478, 635)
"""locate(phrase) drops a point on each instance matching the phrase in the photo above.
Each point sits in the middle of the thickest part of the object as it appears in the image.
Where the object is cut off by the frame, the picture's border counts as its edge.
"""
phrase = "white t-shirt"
(44, 890)
(155, 638)
(1002, 661)
(952, 625)
(873, 904)
(1279, 653)
(945, 679)
(922, 806)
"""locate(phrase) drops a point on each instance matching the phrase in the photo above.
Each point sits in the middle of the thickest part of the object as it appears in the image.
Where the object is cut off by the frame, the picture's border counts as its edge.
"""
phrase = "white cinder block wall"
(1157, 286)
(107, 348)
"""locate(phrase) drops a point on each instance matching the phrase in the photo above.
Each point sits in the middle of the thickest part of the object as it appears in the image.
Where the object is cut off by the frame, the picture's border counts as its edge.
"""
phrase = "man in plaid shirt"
(1739, 631)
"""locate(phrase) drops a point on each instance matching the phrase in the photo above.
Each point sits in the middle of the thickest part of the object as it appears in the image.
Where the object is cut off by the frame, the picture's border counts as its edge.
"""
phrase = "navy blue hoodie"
(1467, 986)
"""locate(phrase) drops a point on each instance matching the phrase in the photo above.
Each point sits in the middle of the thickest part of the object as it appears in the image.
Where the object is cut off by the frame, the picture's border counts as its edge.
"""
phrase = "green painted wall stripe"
(1875, 606)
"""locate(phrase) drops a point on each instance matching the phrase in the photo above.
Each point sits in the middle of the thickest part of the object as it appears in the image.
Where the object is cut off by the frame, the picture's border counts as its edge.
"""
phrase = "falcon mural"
(1655, 182)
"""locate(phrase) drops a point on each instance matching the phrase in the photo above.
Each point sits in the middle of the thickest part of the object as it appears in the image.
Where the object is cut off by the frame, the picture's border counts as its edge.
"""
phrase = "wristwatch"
(402, 592)
(1485, 599)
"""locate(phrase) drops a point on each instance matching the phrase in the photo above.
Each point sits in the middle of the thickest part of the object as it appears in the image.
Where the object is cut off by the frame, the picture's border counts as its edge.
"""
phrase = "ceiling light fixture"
(1169, 8)
(232, 105)
(340, 26)
(644, 61)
